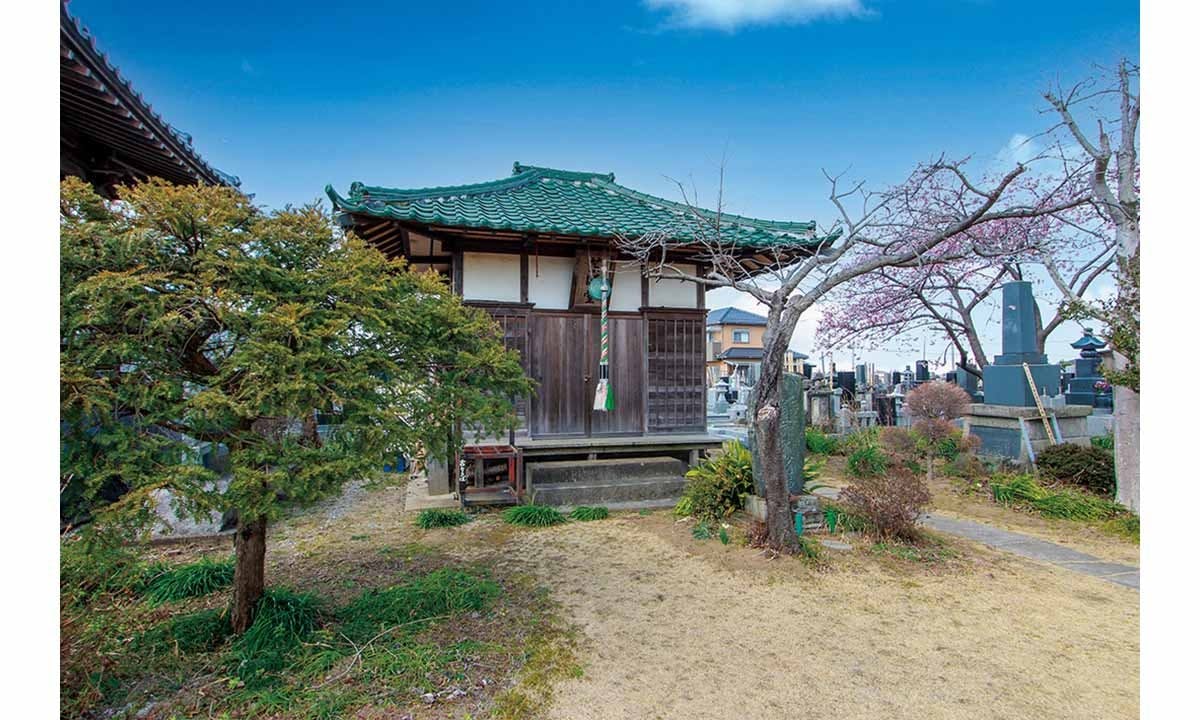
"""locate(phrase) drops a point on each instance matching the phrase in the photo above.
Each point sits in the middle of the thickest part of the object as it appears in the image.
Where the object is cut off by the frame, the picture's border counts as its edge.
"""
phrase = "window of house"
(741, 336)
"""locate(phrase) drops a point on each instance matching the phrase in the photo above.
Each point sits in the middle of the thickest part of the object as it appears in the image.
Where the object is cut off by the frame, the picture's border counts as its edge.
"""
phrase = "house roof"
(734, 316)
(751, 353)
(103, 117)
(741, 353)
(546, 200)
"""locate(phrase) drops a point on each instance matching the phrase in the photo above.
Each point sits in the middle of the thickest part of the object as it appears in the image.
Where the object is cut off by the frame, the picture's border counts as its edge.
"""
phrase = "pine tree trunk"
(250, 546)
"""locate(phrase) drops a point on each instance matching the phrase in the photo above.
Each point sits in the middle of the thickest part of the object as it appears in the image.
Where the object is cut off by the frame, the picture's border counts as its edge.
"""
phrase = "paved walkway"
(1027, 546)
(1036, 549)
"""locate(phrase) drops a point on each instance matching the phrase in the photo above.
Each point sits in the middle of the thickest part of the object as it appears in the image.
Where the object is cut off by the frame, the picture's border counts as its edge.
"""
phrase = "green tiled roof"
(545, 200)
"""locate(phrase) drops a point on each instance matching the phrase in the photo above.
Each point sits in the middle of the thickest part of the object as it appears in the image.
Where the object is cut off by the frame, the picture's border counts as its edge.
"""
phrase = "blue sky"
(293, 95)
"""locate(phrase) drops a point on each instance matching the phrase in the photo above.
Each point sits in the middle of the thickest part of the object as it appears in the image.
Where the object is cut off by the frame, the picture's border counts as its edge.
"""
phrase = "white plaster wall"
(492, 276)
(627, 289)
(674, 293)
(549, 282)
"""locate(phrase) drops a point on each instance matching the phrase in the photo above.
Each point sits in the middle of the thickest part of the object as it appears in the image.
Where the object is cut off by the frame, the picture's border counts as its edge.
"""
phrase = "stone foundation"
(999, 428)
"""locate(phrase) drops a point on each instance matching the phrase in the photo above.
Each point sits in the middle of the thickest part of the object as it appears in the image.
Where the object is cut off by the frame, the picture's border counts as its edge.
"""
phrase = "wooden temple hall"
(109, 134)
(531, 249)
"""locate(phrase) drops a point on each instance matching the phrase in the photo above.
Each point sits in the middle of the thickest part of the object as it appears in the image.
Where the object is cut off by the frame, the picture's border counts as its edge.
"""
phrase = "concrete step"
(603, 471)
(615, 490)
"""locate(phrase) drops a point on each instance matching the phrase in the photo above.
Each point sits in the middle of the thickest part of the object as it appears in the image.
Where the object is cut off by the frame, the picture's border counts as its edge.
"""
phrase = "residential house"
(734, 347)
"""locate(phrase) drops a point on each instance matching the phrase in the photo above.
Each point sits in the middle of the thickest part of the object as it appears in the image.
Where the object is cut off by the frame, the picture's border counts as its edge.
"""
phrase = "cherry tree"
(1069, 251)
(1114, 106)
(927, 219)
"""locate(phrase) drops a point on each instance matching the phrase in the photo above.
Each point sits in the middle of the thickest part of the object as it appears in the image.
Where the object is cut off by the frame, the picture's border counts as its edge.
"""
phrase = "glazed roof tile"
(546, 200)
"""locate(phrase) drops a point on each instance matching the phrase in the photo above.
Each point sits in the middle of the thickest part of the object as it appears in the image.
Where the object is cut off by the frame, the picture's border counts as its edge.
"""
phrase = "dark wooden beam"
(525, 272)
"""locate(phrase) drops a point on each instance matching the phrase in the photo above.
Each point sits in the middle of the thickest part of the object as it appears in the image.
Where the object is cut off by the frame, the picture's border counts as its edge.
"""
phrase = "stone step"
(615, 490)
(603, 471)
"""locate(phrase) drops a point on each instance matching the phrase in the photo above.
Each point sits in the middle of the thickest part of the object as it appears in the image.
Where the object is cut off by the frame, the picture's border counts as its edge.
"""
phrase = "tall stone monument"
(1004, 381)
(1007, 422)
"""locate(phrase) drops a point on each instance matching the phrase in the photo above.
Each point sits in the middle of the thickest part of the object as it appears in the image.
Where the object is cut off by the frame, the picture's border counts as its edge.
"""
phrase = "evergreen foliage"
(192, 323)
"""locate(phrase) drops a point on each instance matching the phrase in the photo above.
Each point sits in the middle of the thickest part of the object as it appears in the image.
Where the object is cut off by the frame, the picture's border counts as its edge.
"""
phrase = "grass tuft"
(533, 516)
(1128, 526)
(1066, 504)
(188, 581)
(283, 621)
(202, 631)
(441, 517)
(440, 593)
(586, 512)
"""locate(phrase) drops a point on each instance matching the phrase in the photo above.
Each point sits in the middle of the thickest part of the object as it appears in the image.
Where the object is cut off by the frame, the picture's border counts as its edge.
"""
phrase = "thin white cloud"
(1020, 149)
(729, 15)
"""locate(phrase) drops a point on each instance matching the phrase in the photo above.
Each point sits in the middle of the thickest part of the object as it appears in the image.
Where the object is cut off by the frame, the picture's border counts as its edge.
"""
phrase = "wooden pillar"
(525, 272)
(456, 265)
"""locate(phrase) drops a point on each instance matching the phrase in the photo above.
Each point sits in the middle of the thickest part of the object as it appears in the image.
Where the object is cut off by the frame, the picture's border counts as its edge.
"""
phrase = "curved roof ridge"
(360, 191)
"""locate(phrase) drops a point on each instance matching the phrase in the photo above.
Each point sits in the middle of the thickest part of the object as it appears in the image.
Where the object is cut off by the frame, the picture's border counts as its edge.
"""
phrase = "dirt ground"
(673, 627)
(676, 628)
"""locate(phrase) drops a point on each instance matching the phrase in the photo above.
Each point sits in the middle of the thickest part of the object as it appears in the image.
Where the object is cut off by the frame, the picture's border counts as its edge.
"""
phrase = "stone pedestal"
(1008, 432)
(1007, 384)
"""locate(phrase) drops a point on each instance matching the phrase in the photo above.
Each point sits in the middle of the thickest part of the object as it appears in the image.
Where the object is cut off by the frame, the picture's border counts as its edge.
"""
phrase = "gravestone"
(791, 435)
(1005, 382)
(969, 382)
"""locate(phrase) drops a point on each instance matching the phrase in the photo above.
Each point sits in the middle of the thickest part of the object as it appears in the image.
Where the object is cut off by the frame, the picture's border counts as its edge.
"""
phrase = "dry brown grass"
(678, 628)
(671, 627)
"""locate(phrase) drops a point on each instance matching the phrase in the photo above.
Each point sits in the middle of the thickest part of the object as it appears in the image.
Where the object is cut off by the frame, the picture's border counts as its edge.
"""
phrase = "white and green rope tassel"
(604, 392)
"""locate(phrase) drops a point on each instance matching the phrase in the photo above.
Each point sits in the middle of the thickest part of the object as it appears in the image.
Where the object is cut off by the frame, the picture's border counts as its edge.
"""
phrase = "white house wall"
(549, 282)
(627, 288)
(492, 276)
(497, 277)
(674, 293)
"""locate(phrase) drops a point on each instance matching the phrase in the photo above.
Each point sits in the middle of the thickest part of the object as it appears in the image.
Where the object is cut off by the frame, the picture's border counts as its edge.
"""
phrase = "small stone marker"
(836, 545)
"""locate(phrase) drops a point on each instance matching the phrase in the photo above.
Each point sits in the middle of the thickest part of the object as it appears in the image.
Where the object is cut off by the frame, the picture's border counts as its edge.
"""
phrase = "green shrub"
(819, 443)
(533, 516)
(586, 513)
(440, 593)
(284, 619)
(718, 486)
(1088, 467)
(1103, 442)
(702, 531)
(192, 580)
(870, 461)
(683, 508)
(441, 517)
(868, 437)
